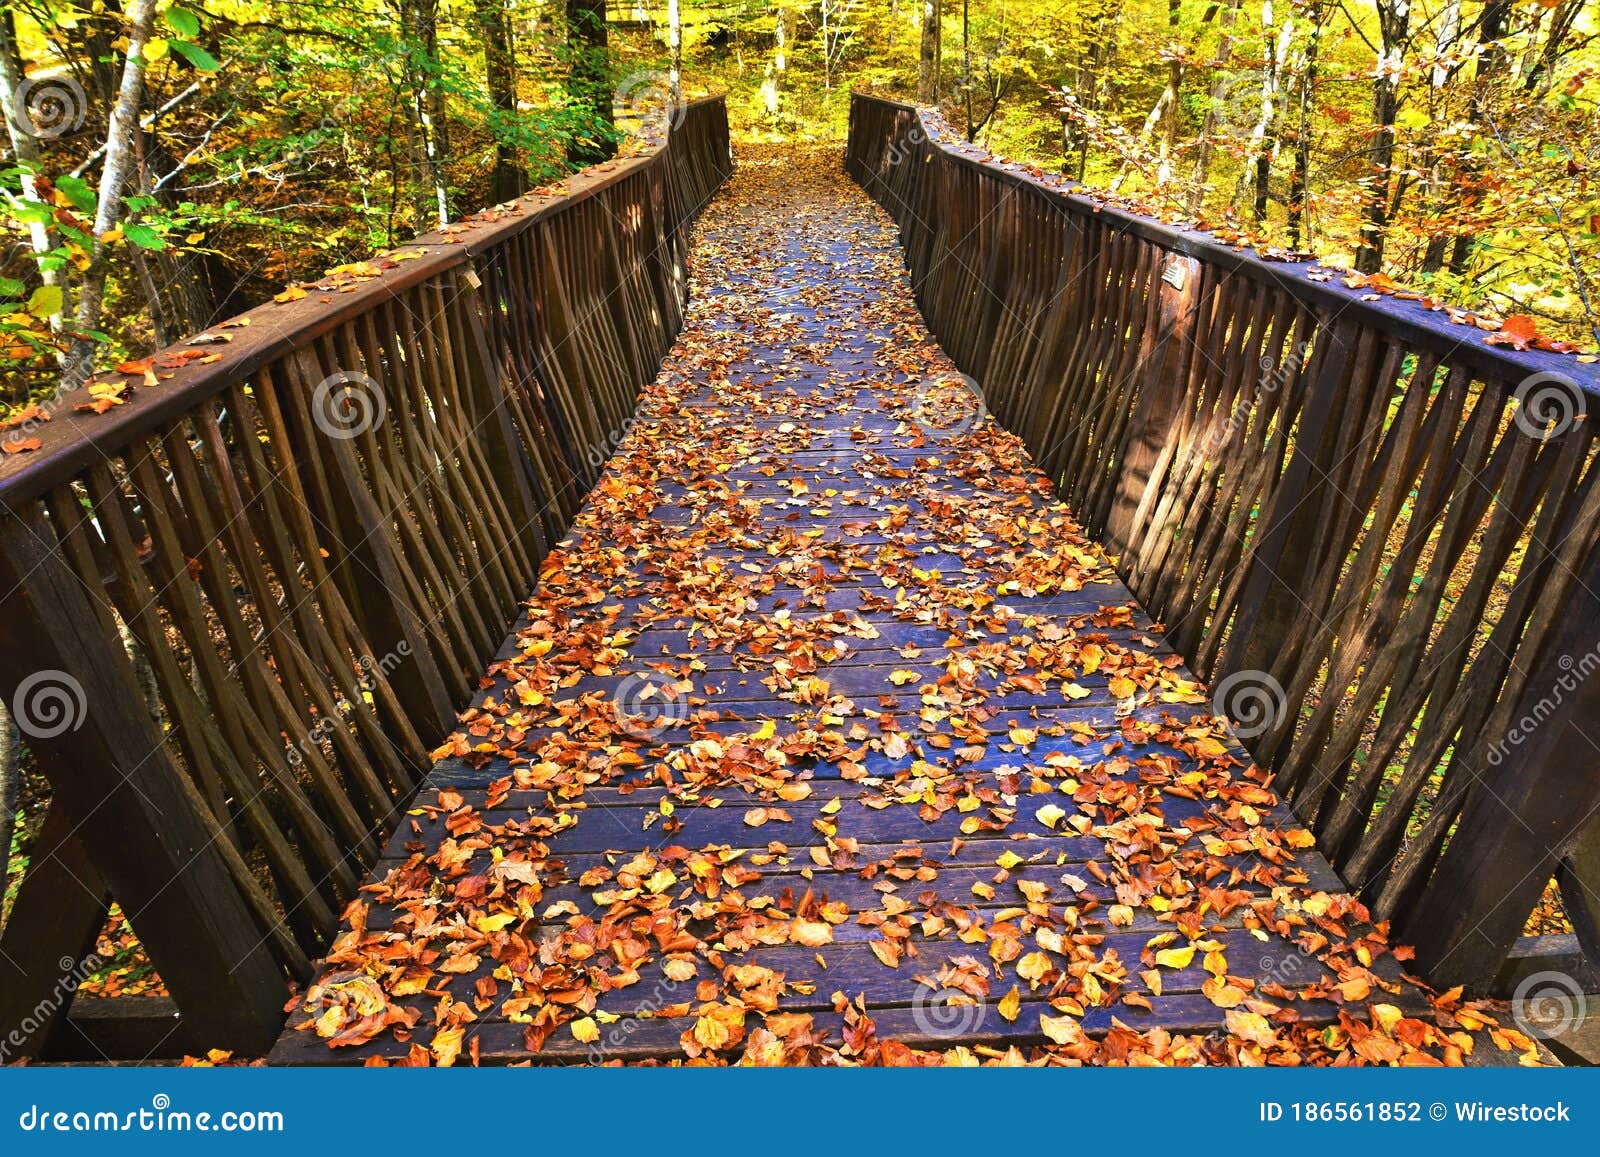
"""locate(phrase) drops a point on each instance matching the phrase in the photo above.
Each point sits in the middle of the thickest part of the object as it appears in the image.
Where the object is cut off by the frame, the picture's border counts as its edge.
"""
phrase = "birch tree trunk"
(1264, 138)
(121, 141)
(1165, 109)
(928, 62)
(10, 788)
(675, 52)
(24, 145)
(1219, 91)
(1301, 176)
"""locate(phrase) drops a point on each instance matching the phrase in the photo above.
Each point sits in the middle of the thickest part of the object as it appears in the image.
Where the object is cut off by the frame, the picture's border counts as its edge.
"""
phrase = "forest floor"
(829, 738)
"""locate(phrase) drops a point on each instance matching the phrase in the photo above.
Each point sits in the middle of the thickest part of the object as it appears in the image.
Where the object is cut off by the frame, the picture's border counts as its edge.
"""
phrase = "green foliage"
(279, 138)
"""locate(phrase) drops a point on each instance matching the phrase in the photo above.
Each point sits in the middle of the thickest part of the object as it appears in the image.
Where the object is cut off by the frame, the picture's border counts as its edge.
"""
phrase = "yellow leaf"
(1176, 957)
(711, 1033)
(585, 1030)
(446, 1046)
(1061, 1029)
(1011, 1004)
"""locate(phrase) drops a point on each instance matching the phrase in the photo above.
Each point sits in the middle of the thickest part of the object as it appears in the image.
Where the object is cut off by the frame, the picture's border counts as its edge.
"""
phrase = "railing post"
(1163, 365)
(1524, 812)
(133, 810)
(60, 908)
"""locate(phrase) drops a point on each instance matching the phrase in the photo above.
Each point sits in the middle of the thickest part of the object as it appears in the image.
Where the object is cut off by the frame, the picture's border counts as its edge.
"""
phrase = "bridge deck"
(828, 736)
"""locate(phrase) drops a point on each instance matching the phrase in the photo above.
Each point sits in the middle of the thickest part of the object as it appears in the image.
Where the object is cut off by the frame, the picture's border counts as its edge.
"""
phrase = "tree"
(928, 63)
(121, 141)
(589, 79)
(500, 79)
(1394, 26)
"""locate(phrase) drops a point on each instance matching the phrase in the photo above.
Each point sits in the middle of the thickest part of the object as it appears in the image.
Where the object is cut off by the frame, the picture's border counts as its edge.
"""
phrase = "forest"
(170, 165)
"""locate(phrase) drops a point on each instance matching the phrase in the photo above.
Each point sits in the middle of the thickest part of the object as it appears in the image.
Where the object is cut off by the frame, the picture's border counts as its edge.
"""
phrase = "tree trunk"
(10, 788)
(1492, 62)
(589, 78)
(966, 67)
(500, 79)
(1298, 182)
(1394, 21)
(24, 145)
(675, 52)
(1219, 91)
(121, 138)
(1264, 140)
(430, 149)
(928, 64)
(1165, 110)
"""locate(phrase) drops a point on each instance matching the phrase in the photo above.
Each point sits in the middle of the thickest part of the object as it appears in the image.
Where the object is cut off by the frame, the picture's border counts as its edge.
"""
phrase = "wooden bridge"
(888, 589)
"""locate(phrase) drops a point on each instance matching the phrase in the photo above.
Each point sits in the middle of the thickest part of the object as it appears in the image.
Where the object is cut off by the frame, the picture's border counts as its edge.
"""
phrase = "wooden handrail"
(1374, 533)
(241, 607)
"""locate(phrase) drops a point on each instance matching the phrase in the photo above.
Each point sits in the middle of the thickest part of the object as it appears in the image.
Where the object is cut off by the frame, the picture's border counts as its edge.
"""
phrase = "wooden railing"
(1371, 530)
(237, 610)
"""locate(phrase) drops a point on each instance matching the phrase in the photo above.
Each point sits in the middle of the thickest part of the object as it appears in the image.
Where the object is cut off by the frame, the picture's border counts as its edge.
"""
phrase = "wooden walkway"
(828, 737)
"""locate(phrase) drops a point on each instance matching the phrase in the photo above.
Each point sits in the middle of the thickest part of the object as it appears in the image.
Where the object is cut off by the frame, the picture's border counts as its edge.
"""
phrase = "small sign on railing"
(1174, 274)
